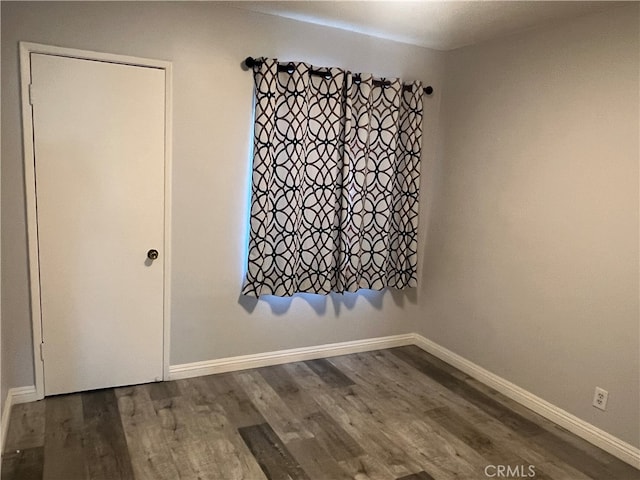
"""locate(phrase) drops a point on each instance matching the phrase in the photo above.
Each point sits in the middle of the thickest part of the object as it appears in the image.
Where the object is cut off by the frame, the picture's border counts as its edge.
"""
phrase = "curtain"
(334, 198)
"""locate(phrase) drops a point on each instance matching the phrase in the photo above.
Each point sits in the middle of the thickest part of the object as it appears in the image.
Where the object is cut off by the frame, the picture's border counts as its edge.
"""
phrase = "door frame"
(26, 49)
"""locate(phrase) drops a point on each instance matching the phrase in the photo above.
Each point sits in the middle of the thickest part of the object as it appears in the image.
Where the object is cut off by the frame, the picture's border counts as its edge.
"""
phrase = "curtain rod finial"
(250, 62)
(428, 90)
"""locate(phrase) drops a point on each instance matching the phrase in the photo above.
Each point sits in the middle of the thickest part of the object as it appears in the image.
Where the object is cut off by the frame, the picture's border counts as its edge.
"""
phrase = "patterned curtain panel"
(336, 169)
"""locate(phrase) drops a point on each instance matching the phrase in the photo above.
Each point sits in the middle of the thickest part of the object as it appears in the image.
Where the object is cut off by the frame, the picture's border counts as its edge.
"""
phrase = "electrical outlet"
(600, 398)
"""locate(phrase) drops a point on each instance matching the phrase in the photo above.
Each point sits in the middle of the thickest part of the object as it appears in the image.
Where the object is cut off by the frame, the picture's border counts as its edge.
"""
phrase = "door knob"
(152, 254)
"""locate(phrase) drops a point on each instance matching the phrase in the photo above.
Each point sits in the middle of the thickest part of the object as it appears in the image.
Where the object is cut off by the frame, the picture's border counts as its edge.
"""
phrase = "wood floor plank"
(513, 405)
(105, 446)
(220, 433)
(494, 452)
(203, 441)
(367, 432)
(272, 455)
(560, 471)
(238, 461)
(618, 468)
(151, 457)
(525, 425)
(227, 392)
(383, 382)
(304, 376)
(325, 430)
(437, 450)
(26, 427)
(511, 446)
(63, 450)
(195, 461)
(333, 437)
(329, 373)
(417, 385)
(548, 457)
(163, 390)
(293, 394)
(366, 467)
(522, 444)
(527, 449)
(418, 388)
(436, 362)
(382, 415)
(184, 435)
(316, 461)
(272, 407)
(584, 462)
(198, 390)
(280, 380)
(481, 400)
(25, 464)
(418, 476)
(442, 451)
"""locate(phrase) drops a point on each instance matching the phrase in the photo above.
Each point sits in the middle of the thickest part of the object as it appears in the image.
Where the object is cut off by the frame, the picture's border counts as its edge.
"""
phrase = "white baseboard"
(244, 362)
(620, 449)
(616, 447)
(14, 397)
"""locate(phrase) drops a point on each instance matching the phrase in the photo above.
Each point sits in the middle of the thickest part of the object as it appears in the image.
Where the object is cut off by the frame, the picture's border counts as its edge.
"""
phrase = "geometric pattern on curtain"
(335, 182)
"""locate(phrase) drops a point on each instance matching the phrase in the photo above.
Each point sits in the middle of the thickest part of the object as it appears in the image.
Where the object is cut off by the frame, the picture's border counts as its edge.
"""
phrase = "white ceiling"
(441, 25)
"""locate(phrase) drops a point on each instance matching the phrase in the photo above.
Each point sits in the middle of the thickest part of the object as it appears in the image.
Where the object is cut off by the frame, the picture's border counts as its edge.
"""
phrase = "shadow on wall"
(319, 303)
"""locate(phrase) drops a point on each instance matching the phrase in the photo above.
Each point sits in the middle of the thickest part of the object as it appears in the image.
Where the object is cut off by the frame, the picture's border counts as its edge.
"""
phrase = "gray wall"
(532, 256)
(212, 116)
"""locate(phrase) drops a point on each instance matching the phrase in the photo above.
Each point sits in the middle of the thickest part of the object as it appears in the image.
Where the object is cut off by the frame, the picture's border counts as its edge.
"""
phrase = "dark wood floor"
(391, 414)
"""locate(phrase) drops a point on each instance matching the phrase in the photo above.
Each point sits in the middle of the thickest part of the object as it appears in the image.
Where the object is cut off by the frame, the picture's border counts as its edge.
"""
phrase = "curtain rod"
(251, 62)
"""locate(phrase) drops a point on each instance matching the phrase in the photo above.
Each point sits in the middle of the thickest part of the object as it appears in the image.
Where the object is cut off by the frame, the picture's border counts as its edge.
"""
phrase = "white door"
(99, 168)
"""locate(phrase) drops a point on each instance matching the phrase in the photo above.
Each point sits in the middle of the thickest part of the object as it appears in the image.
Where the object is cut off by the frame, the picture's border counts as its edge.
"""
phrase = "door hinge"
(31, 93)
(42, 351)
